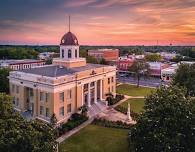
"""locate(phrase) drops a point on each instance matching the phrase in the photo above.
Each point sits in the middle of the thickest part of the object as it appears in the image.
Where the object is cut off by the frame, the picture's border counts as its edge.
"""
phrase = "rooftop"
(56, 70)
(18, 61)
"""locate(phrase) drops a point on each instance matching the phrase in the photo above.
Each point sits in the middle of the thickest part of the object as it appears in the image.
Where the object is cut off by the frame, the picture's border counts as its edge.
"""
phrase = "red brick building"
(107, 54)
(124, 62)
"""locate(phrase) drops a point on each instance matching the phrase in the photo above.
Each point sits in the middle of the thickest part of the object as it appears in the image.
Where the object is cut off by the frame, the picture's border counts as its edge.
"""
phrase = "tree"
(185, 77)
(4, 81)
(53, 120)
(154, 57)
(103, 61)
(91, 59)
(167, 124)
(138, 69)
(19, 135)
(84, 110)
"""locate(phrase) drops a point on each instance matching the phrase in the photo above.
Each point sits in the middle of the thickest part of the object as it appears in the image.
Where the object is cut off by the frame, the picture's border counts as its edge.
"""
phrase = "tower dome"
(69, 39)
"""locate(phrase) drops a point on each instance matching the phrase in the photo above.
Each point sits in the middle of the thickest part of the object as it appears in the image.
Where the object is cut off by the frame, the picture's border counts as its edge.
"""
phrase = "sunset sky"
(98, 22)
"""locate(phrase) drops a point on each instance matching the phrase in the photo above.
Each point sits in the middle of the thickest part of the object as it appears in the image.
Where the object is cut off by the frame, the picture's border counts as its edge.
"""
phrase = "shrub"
(112, 101)
(111, 124)
(75, 120)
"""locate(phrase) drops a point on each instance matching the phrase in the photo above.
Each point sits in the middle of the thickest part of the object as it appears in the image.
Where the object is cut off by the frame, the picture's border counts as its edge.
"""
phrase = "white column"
(82, 95)
(101, 90)
(95, 92)
(89, 95)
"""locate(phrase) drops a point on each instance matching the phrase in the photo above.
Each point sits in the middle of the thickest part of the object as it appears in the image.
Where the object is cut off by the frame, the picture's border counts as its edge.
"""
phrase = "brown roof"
(69, 39)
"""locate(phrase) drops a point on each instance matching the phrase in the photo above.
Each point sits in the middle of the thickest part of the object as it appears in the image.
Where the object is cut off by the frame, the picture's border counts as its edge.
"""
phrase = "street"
(150, 82)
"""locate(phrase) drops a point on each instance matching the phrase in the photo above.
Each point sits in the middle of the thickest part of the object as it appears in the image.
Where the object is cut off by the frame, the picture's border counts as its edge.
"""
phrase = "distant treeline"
(31, 52)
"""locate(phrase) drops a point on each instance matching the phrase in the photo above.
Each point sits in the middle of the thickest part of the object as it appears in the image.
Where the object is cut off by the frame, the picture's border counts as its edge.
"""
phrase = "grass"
(133, 90)
(136, 104)
(97, 139)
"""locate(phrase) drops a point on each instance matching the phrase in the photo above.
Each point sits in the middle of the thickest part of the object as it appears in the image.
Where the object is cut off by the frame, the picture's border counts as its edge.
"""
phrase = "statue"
(129, 113)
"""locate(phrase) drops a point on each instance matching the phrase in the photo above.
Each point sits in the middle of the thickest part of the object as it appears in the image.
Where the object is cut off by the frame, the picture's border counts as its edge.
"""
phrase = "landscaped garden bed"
(111, 124)
(75, 120)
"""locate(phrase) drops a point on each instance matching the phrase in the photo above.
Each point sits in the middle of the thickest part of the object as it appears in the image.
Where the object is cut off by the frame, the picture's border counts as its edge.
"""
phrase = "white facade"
(69, 52)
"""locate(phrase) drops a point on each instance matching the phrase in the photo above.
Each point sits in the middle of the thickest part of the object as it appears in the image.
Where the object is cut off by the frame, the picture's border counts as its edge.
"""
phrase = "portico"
(92, 92)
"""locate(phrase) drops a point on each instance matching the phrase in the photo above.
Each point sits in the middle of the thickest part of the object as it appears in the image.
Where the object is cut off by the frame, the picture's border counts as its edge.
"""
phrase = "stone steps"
(96, 108)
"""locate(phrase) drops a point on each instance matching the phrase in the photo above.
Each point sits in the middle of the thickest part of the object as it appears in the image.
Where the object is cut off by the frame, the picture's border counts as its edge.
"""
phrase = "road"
(150, 82)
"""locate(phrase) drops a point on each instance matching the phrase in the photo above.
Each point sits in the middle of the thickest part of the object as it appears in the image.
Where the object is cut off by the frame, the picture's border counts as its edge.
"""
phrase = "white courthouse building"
(64, 86)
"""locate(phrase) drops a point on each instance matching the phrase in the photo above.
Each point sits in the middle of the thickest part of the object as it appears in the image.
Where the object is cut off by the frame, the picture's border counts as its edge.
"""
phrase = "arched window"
(69, 54)
(62, 53)
(76, 53)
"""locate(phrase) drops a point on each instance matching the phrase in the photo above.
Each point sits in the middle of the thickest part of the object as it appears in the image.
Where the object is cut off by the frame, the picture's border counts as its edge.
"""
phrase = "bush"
(111, 124)
(75, 120)
(112, 101)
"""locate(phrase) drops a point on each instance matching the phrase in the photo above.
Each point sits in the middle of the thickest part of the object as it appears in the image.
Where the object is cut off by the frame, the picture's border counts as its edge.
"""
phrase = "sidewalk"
(75, 130)
(125, 99)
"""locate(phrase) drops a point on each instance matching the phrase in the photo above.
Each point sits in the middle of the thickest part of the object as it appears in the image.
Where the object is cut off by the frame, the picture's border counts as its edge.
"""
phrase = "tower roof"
(69, 39)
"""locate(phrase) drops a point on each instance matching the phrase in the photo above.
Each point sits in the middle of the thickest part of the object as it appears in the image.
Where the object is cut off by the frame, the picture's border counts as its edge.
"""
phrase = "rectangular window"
(17, 89)
(46, 97)
(109, 90)
(47, 112)
(62, 111)
(112, 79)
(108, 80)
(112, 89)
(41, 110)
(13, 88)
(62, 96)
(69, 94)
(41, 96)
(92, 84)
(68, 108)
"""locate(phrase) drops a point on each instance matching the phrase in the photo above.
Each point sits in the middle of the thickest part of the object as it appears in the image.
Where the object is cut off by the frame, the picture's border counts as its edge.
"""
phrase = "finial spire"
(69, 23)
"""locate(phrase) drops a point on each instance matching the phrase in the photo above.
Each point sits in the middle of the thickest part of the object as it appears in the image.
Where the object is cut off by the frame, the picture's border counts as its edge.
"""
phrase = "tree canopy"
(167, 123)
(4, 81)
(138, 69)
(19, 135)
(153, 57)
(185, 77)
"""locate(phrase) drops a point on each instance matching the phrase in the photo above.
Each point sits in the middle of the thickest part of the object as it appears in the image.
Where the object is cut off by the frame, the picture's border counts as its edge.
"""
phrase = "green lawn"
(136, 104)
(97, 139)
(133, 90)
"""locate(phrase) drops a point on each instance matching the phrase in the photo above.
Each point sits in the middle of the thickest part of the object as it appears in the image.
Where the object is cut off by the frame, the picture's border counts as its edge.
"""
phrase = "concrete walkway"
(75, 130)
(125, 99)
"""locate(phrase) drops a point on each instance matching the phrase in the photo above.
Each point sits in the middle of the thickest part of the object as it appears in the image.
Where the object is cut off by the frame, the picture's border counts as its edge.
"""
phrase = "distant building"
(107, 54)
(124, 62)
(21, 64)
(156, 68)
(168, 56)
(47, 55)
(167, 73)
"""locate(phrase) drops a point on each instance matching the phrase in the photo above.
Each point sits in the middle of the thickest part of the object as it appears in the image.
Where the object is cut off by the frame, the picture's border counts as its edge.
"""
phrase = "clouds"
(98, 21)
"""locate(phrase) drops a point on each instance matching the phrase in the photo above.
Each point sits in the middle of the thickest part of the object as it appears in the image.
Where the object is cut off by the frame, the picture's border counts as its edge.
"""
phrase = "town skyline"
(97, 22)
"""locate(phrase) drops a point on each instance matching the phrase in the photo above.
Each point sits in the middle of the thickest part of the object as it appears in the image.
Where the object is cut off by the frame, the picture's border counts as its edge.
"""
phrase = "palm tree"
(138, 69)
